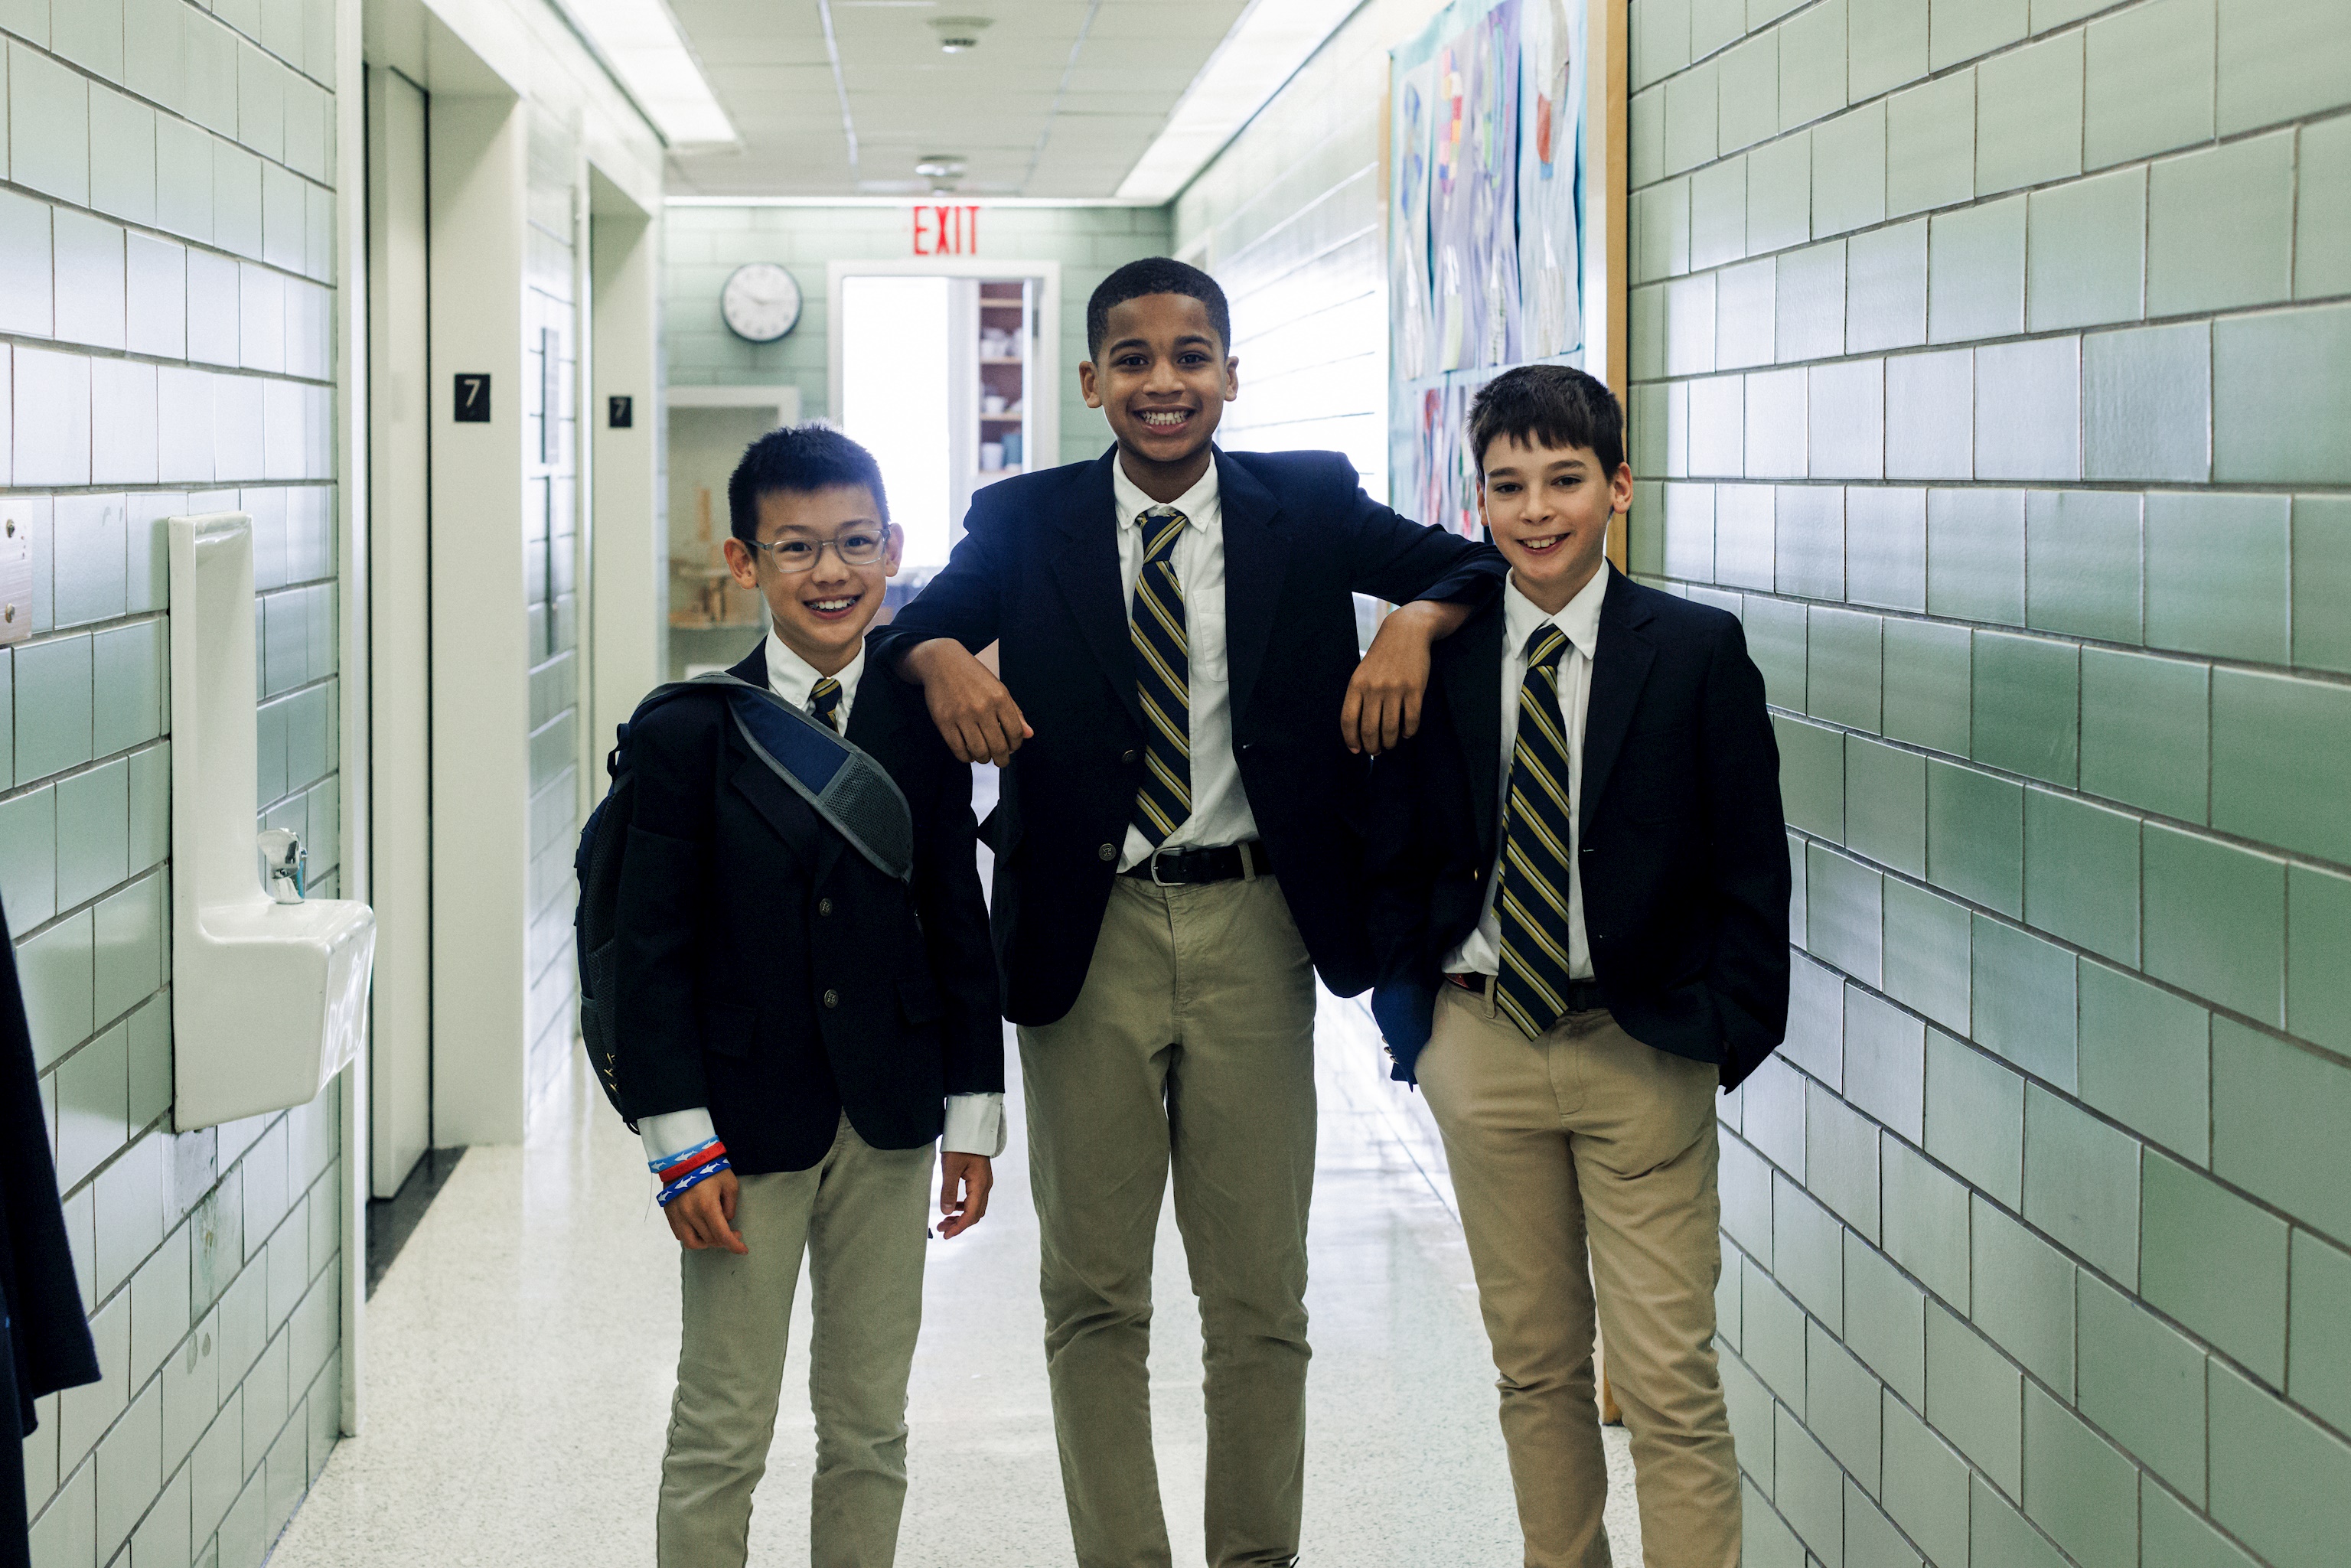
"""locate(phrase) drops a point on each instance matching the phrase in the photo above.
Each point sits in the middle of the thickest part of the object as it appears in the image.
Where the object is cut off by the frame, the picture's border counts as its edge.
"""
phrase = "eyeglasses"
(858, 547)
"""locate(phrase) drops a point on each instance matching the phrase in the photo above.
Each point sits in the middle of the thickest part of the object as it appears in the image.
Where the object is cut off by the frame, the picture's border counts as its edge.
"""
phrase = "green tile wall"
(2050, 608)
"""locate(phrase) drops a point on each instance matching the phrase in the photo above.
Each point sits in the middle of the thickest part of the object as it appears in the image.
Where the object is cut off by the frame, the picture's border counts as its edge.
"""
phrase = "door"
(400, 1080)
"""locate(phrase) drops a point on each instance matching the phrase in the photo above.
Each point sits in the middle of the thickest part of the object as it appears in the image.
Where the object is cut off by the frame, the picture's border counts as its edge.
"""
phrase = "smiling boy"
(1580, 900)
(795, 1028)
(1179, 851)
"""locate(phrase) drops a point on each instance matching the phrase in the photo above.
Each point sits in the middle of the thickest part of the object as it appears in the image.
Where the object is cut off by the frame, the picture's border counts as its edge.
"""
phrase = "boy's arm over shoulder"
(1393, 557)
(955, 919)
(971, 709)
(1741, 770)
(666, 893)
(961, 601)
(1401, 850)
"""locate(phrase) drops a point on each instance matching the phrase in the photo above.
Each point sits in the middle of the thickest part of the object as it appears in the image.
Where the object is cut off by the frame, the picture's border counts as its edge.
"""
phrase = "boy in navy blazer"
(1179, 851)
(1579, 900)
(795, 1028)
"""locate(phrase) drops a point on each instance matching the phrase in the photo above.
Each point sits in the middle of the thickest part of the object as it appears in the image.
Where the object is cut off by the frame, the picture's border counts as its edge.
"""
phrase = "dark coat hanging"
(50, 1346)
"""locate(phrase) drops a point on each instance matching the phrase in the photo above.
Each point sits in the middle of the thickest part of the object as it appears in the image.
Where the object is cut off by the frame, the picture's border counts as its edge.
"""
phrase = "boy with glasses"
(795, 1028)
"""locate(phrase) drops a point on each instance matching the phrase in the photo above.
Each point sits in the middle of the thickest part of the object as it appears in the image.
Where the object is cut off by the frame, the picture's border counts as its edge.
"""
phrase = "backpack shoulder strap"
(840, 782)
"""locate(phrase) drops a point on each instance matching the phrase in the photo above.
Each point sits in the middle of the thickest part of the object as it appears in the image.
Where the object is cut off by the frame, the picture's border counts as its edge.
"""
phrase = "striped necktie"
(1163, 676)
(1537, 826)
(824, 701)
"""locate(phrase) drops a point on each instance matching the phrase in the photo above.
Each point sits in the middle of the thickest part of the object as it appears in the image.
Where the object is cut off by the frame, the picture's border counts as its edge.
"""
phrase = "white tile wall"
(89, 298)
(151, 226)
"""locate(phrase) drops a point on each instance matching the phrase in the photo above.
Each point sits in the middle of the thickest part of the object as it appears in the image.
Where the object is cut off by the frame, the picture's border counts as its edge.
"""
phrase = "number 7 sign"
(473, 399)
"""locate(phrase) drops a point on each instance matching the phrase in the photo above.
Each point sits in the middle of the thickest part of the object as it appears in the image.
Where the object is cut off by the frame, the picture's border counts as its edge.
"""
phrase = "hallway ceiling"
(1059, 98)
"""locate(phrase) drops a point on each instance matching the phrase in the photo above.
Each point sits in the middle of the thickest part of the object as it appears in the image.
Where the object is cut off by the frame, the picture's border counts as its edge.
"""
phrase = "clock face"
(760, 302)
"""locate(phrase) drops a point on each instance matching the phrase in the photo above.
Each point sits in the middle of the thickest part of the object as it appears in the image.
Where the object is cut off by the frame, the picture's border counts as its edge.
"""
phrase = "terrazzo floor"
(519, 1357)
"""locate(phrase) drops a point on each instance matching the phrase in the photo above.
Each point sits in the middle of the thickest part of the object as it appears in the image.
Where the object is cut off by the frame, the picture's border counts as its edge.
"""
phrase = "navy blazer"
(1682, 852)
(768, 971)
(1037, 572)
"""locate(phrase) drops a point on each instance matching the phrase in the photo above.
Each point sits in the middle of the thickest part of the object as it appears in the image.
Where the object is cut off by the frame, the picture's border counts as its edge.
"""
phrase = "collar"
(1196, 503)
(791, 677)
(1579, 619)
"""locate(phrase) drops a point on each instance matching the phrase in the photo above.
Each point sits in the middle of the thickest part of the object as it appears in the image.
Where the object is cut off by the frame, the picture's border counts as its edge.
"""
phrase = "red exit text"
(946, 230)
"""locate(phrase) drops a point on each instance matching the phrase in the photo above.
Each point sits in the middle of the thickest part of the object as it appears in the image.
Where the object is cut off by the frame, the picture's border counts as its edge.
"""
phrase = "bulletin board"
(1505, 224)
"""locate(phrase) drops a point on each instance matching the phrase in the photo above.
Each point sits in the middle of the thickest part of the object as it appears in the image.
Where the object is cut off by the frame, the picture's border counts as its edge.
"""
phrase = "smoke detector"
(943, 170)
(957, 33)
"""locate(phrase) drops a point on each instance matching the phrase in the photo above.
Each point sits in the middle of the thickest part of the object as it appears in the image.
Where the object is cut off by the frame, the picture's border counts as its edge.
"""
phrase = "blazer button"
(833, 999)
(824, 906)
(1108, 851)
(1129, 755)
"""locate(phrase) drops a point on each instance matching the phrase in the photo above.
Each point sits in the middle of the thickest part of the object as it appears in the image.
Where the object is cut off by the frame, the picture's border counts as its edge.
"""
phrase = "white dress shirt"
(974, 1122)
(1480, 951)
(1220, 810)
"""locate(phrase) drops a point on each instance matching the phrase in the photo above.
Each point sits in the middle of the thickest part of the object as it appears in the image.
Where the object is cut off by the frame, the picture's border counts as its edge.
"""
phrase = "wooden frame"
(1607, 278)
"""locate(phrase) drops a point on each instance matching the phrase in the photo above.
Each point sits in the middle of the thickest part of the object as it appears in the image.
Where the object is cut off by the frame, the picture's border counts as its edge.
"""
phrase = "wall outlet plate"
(15, 580)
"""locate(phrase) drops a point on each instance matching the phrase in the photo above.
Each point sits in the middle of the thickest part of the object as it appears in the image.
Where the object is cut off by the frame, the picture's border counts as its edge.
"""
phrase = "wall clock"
(760, 302)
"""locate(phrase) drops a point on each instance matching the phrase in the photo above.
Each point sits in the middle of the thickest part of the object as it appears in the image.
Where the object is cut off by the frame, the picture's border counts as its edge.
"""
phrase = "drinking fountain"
(270, 988)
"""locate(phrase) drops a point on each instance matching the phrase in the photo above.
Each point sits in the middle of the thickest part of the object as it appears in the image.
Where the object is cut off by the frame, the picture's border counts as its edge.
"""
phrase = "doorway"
(949, 373)
(712, 621)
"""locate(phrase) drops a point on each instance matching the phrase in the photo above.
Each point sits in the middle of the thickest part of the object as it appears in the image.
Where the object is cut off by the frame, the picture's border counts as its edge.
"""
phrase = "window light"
(646, 49)
(1264, 49)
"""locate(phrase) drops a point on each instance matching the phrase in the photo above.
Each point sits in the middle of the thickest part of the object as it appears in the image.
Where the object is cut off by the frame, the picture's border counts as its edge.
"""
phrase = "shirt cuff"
(975, 1125)
(673, 1132)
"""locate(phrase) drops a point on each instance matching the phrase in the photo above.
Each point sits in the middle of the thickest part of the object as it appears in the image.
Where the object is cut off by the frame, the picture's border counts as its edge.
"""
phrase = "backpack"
(846, 788)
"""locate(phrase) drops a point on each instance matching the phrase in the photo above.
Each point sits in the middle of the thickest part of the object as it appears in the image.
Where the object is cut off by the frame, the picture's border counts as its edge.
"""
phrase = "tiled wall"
(1287, 217)
(551, 528)
(704, 244)
(165, 287)
(1988, 360)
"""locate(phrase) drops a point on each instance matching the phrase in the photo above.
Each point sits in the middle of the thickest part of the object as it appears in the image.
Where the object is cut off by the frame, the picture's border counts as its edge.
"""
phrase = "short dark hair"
(1549, 405)
(1154, 275)
(798, 459)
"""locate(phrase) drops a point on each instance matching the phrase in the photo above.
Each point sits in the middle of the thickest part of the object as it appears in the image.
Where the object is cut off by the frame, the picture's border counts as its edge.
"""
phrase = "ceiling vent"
(957, 33)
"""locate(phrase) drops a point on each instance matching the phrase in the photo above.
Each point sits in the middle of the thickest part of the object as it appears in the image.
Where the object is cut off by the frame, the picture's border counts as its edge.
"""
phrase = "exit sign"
(946, 230)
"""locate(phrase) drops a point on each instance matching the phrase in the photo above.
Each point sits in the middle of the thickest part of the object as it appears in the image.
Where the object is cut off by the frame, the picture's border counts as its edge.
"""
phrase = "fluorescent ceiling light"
(1271, 40)
(643, 45)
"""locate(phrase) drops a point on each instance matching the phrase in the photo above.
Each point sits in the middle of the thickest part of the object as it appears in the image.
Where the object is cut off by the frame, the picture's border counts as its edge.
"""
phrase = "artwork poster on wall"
(1485, 228)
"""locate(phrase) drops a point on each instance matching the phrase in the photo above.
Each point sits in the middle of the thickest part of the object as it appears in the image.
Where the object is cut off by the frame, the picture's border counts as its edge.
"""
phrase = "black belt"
(1171, 868)
(1583, 995)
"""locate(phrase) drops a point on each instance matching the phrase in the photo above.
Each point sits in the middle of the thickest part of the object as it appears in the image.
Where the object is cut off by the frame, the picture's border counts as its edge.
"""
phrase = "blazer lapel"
(1469, 662)
(1088, 573)
(1255, 554)
(1617, 675)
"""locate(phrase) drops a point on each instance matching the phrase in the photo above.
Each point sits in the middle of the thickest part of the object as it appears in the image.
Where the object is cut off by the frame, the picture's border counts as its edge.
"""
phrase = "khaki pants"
(1191, 1047)
(861, 1214)
(1589, 1142)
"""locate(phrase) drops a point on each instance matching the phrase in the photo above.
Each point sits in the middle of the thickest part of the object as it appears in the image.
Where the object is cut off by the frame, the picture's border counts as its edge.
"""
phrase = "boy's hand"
(1383, 706)
(965, 1181)
(976, 715)
(703, 1217)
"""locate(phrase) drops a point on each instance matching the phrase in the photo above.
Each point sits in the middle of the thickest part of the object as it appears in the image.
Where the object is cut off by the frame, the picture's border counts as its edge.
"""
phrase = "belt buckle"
(1155, 879)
